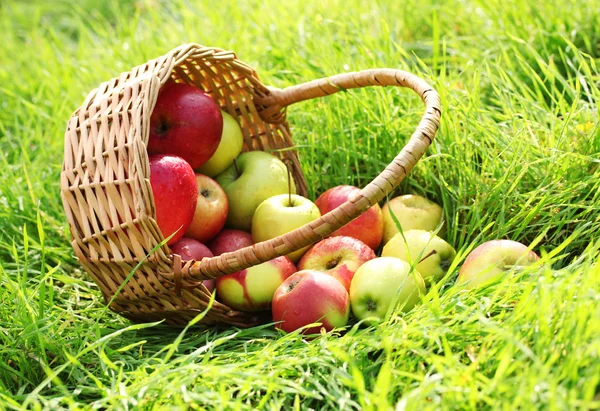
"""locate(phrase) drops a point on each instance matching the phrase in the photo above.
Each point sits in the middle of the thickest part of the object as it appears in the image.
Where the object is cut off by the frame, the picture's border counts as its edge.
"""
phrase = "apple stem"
(289, 172)
(237, 169)
(432, 252)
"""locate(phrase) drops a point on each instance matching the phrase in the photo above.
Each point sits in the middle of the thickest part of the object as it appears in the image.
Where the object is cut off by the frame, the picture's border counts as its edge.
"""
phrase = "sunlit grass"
(517, 156)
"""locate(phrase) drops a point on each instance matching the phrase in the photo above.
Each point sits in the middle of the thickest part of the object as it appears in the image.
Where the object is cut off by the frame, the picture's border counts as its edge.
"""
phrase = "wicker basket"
(108, 200)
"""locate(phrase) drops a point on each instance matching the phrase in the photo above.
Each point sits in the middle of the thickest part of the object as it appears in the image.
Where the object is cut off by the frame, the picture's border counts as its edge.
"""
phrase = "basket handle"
(374, 192)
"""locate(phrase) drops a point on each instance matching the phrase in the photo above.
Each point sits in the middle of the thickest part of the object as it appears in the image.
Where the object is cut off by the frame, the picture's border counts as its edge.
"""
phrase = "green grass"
(517, 156)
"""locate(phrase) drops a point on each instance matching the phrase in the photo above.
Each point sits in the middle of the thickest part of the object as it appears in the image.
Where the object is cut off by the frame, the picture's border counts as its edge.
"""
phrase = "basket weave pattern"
(108, 200)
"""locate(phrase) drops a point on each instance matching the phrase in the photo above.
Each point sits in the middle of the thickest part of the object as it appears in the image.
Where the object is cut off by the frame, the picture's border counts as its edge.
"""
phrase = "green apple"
(493, 259)
(281, 214)
(252, 289)
(250, 180)
(374, 286)
(435, 255)
(413, 213)
(229, 148)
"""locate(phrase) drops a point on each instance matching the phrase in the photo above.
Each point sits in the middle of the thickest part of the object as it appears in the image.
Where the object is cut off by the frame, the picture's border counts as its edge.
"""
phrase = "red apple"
(185, 122)
(367, 228)
(211, 210)
(338, 256)
(175, 194)
(309, 297)
(190, 249)
(230, 240)
(252, 289)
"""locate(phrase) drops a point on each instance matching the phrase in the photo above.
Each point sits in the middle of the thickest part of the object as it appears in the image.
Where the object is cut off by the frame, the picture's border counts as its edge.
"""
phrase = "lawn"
(517, 156)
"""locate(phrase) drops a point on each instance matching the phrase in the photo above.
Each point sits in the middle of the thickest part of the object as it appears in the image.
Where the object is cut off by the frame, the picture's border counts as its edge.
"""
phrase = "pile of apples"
(211, 199)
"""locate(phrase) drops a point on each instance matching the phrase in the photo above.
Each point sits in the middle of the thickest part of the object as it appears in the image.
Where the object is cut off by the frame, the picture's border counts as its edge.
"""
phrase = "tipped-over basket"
(108, 201)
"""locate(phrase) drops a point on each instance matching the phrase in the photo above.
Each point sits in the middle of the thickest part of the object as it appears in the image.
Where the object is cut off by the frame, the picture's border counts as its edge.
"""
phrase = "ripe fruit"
(230, 240)
(309, 297)
(190, 249)
(338, 257)
(261, 175)
(252, 289)
(232, 141)
(175, 194)
(413, 213)
(435, 255)
(375, 284)
(185, 122)
(278, 215)
(492, 259)
(367, 228)
(211, 210)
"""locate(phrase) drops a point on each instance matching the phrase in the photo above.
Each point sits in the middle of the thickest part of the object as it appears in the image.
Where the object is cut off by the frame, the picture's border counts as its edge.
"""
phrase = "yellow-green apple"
(492, 259)
(250, 180)
(229, 148)
(185, 122)
(376, 283)
(309, 297)
(175, 193)
(367, 228)
(338, 256)
(430, 253)
(281, 214)
(190, 249)
(230, 240)
(252, 289)
(413, 213)
(211, 210)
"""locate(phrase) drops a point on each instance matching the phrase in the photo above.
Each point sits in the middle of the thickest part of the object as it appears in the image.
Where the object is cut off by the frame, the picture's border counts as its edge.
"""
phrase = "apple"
(281, 214)
(308, 297)
(211, 210)
(175, 193)
(190, 249)
(185, 122)
(338, 257)
(491, 259)
(232, 141)
(430, 253)
(367, 228)
(375, 284)
(230, 240)
(252, 289)
(250, 180)
(413, 213)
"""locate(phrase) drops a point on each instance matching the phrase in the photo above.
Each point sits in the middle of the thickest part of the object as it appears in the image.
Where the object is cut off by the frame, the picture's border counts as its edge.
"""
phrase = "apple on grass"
(252, 289)
(367, 228)
(281, 214)
(230, 240)
(413, 212)
(338, 257)
(376, 284)
(232, 141)
(211, 210)
(432, 255)
(309, 297)
(250, 180)
(175, 193)
(185, 122)
(190, 249)
(492, 259)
